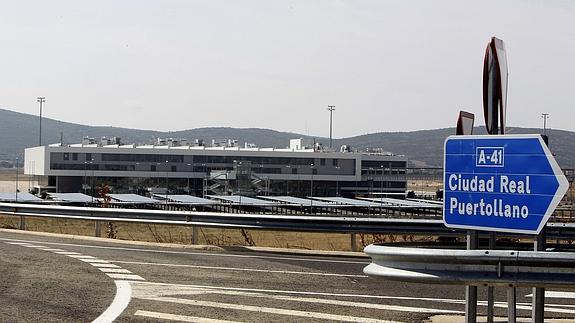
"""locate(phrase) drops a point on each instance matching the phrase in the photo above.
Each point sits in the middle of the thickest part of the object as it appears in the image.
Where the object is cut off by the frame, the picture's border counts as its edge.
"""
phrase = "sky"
(385, 65)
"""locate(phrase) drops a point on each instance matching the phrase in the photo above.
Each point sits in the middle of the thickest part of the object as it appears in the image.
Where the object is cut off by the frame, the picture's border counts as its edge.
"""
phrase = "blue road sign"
(506, 183)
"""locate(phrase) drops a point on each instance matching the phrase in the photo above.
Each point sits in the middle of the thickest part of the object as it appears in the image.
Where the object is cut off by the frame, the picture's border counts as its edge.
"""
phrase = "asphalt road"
(46, 278)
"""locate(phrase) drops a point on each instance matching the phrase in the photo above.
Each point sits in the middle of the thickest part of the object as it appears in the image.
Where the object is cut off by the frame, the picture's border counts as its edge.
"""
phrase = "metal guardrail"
(472, 267)
(333, 224)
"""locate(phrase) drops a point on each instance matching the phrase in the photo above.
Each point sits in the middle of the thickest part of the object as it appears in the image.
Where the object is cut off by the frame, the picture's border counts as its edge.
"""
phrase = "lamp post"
(337, 180)
(29, 177)
(545, 116)
(192, 169)
(381, 191)
(16, 167)
(370, 181)
(85, 176)
(311, 189)
(40, 100)
(167, 168)
(331, 108)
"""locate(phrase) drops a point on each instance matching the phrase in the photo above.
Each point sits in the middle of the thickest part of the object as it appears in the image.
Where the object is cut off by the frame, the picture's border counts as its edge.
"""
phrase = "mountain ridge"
(422, 147)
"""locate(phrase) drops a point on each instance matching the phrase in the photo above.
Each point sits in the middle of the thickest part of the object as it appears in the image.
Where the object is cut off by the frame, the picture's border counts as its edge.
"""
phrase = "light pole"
(192, 169)
(16, 167)
(167, 168)
(330, 108)
(545, 116)
(337, 180)
(40, 100)
(29, 177)
(381, 191)
(311, 189)
(85, 175)
(370, 181)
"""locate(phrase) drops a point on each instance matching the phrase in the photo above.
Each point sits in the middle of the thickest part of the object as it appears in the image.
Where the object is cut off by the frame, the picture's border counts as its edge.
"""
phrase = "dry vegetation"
(209, 236)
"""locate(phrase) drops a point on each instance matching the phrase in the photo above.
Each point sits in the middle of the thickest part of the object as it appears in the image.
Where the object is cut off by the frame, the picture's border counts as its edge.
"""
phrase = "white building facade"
(201, 170)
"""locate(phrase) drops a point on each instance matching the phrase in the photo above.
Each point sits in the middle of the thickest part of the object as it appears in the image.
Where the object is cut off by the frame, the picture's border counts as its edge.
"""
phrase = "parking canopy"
(347, 201)
(72, 197)
(185, 199)
(132, 199)
(243, 200)
(21, 197)
(405, 203)
(298, 201)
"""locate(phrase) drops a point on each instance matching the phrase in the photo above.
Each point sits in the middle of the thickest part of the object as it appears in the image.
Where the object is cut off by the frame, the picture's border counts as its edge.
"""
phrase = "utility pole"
(330, 108)
(545, 116)
(16, 191)
(40, 100)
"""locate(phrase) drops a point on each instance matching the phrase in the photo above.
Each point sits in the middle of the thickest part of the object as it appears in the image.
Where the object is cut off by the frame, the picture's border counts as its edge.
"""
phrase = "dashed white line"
(238, 269)
(115, 270)
(108, 265)
(95, 261)
(81, 257)
(203, 254)
(125, 276)
(181, 318)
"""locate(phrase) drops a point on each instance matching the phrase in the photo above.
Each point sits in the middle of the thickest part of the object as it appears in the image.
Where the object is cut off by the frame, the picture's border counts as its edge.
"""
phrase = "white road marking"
(310, 293)
(203, 254)
(119, 304)
(144, 291)
(181, 318)
(95, 261)
(23, 244)
(238, 269)
(123, 288)
(108, 265)
(554, 308)
(125, 276)
(269, 310)
(82, 257)
(556, 294)
(115, 270)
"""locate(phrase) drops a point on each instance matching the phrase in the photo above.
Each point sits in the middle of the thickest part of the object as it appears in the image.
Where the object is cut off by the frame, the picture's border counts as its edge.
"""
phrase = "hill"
(427, 145)
(423, 147)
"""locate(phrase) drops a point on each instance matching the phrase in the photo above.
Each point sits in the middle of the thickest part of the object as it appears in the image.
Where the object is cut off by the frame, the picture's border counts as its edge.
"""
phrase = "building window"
(152, 168)
(322, 161)
(88, 156)
(66, 156)
(334, 162)
(174, 169)
(294, 170)
(314, 171)
(74, 156)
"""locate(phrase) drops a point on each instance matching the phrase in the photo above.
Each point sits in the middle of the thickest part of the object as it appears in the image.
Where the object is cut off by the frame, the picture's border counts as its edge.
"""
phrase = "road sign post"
(500, 183)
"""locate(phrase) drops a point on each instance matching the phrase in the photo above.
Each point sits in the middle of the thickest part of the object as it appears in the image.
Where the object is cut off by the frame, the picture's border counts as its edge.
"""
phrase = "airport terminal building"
(220, 169)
